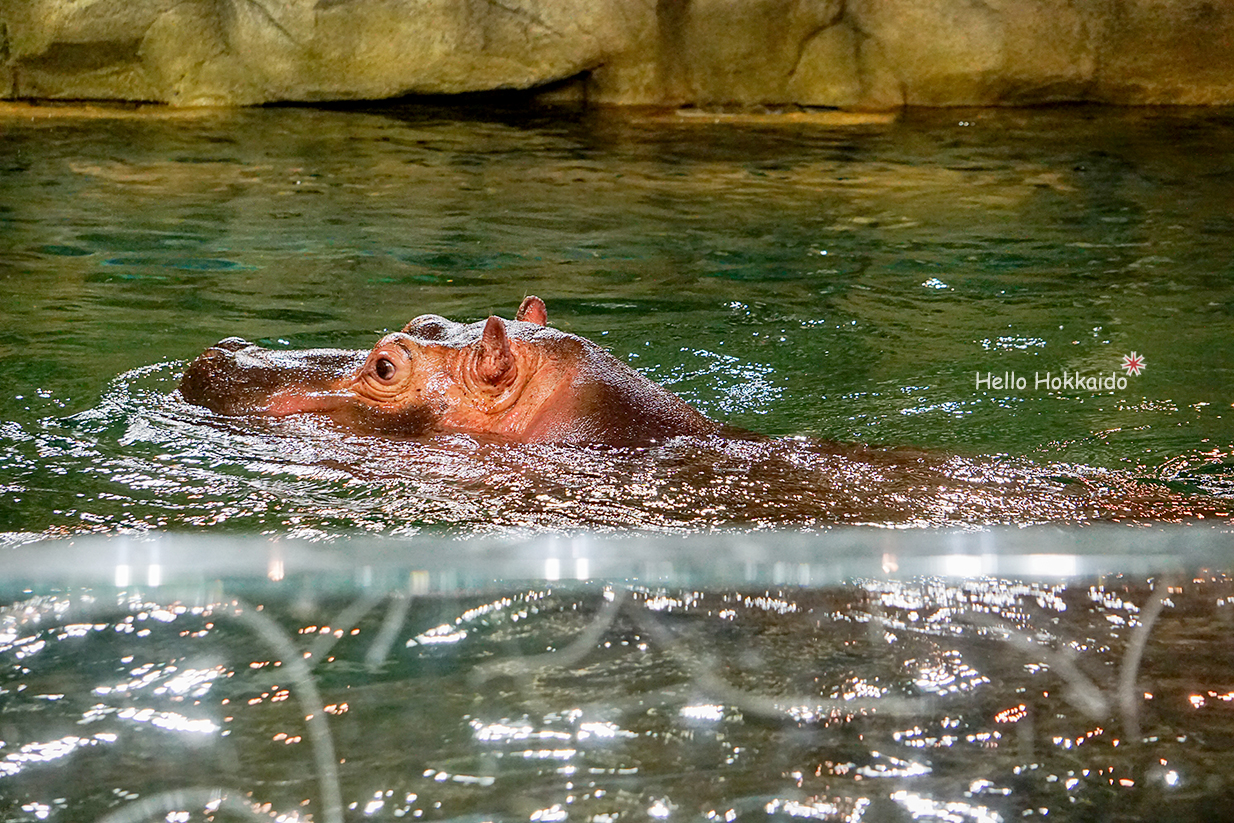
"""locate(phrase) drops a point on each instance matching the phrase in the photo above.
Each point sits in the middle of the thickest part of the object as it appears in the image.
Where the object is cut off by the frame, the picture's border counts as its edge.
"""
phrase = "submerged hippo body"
(517, 379)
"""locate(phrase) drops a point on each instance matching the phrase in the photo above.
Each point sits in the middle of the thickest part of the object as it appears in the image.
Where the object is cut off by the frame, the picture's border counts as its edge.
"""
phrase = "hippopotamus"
(514, 379)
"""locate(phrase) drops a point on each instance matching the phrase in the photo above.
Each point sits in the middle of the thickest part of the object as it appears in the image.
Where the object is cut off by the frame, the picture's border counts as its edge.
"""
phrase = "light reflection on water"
(181, 467)
(824, 283)
(984, 698)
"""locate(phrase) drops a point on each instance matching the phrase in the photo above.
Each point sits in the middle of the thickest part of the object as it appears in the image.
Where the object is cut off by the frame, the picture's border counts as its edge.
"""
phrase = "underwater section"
(854, 676)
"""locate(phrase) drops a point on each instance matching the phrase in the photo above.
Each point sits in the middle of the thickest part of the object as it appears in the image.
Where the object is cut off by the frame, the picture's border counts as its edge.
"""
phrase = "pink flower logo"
(1133, 363)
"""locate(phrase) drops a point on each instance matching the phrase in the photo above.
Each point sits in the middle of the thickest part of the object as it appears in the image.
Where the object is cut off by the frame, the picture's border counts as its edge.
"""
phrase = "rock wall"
(860, 54)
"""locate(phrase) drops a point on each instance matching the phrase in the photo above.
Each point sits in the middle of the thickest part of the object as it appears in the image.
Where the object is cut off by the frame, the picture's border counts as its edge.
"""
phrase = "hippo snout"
(211, 379)
(204, 380)
(235, 376)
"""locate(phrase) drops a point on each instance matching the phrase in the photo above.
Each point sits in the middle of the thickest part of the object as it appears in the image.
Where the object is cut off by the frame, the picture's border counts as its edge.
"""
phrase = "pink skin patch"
(281, 405)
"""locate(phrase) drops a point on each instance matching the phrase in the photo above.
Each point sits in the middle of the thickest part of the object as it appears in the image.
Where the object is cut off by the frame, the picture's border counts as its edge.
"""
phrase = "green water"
(832, 283)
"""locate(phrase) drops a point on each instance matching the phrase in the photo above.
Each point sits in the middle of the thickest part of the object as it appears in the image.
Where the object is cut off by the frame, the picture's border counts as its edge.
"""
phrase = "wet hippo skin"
(517, 379)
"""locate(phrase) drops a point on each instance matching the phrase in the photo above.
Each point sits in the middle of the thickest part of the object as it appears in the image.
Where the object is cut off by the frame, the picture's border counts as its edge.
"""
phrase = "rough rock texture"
(864, 54)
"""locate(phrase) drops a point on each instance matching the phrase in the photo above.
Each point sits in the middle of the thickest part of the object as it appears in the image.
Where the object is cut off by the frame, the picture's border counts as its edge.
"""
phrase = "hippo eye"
(384, 368)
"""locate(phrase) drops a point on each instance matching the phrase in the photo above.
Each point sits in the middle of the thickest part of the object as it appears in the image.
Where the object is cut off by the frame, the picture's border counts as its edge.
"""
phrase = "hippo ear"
(495, 358)
(532, 310)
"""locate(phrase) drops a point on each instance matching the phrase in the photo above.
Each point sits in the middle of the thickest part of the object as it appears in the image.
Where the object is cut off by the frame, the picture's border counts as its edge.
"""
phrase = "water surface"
(850, 284)
(949, 678)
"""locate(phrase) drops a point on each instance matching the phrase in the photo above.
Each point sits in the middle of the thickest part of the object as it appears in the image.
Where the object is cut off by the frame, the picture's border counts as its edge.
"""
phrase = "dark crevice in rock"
(77, 58)
(672, 21)
(273, 21)
(556, 97)
(835, 20)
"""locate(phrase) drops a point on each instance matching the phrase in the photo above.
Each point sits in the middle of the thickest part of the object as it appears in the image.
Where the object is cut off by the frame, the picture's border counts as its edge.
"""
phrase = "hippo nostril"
(232, 344)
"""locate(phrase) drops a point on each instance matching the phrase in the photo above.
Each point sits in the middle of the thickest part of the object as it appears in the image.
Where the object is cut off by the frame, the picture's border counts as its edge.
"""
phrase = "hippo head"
(516, 379)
